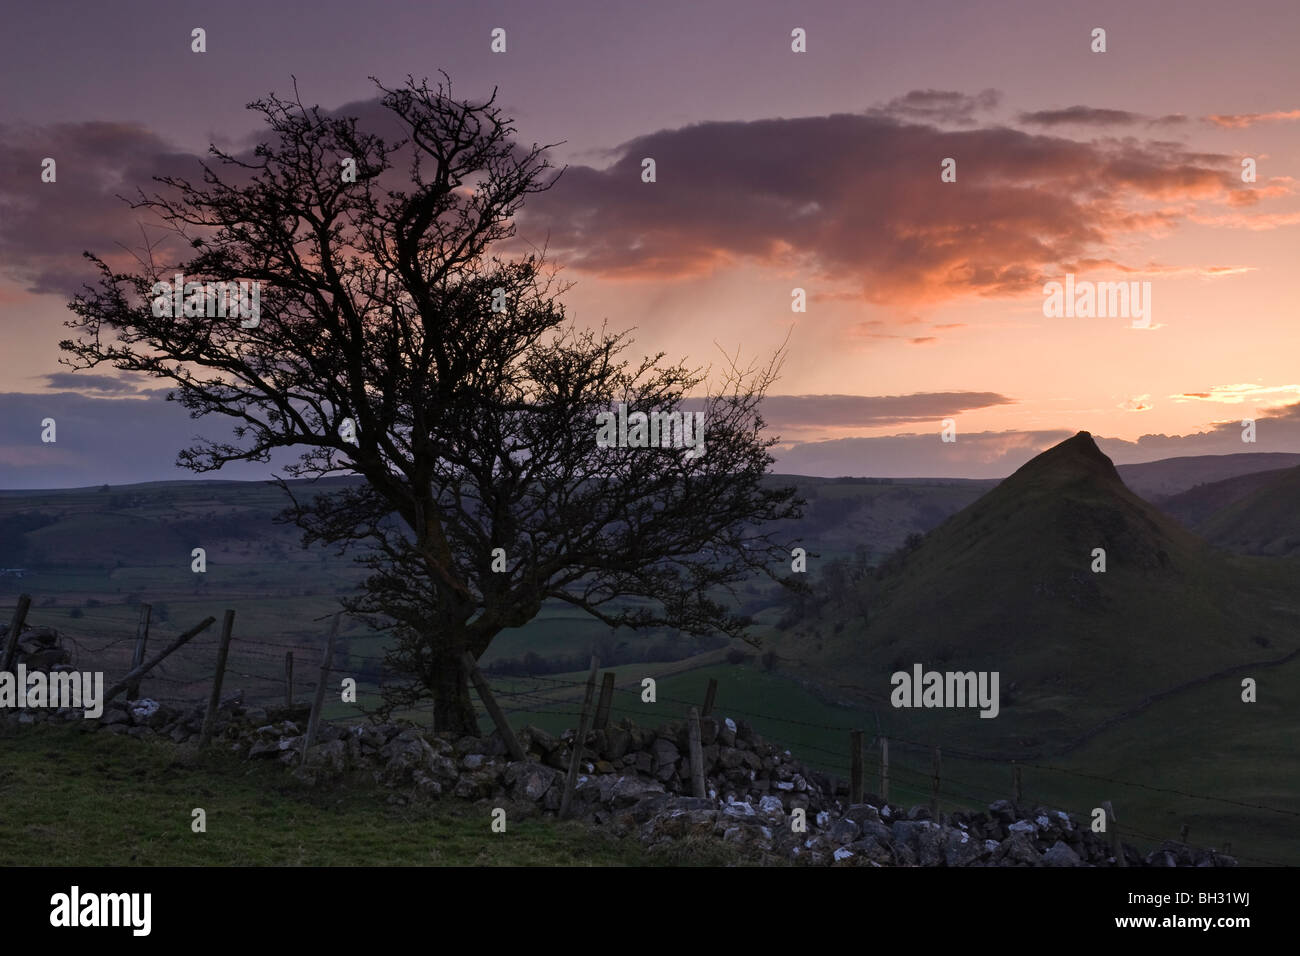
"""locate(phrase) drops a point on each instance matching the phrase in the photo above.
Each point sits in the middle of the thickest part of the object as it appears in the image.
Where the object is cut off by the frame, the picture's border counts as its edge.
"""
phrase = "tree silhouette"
(397, 342)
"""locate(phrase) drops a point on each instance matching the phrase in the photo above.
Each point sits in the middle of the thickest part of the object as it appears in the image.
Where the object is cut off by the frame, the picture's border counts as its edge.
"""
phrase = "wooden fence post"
(1016, 784)
(288, 678)
(1182, 833)
(934, 787)
(494, 711)
(16, 625)
(138, 672)
(710, 696)
(141, 640)
(1116, 847)
(318, 702)
(584, 724)
(884, 769)
(223, 651)
(855, 766)
(697, 755)
(606, 701)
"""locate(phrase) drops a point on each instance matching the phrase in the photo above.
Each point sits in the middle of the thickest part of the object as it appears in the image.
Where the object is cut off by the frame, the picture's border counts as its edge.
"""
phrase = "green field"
(69, 798)
(1192, 743)
(1201, 741)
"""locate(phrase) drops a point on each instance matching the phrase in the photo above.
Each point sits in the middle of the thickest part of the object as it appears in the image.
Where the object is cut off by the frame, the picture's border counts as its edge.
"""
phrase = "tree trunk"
(453, 710)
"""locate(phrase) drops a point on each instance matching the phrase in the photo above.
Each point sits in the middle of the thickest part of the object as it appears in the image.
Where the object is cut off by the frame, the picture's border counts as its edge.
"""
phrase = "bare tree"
(395, 342)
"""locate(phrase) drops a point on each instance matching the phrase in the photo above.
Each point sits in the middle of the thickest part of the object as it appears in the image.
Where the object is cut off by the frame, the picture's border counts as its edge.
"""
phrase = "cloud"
(125, 440)
(865, 411)
(1093, 116)
(1278, 431)
(853, 198)
(1080, 115)
(972, 455)
(1243, 120)
(860, 331)
(1138, 403)
(104, 441)
(122, 440)
(1255, 223)
(939, 106)
(1267, 395)
(998, 454)
(47, 226)
(81, 381)
(857, 199)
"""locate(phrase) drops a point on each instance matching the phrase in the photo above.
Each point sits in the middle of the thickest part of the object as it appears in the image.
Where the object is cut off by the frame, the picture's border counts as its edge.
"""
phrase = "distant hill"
(1006, 584)
(1197, 505)
(1154, 480)
(873, 516)
(1258, 516)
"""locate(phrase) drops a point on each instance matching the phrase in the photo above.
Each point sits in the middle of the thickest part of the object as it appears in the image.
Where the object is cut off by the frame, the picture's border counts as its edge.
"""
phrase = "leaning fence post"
(855, 766)
(584, 724)
(884, 769)
(1016, 782)
(710, 695)
(697, 755)
(137, 672)
(606, 701)
(1116, 846)
(934, 787)
(288, 678)
(223, 650)
(141, 640)
(318, 702)
(494, 710)
(16, 625)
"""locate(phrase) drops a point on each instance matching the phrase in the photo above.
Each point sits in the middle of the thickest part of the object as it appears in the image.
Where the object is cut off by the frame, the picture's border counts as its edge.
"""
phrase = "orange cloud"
(858, 200)
(1243, 120)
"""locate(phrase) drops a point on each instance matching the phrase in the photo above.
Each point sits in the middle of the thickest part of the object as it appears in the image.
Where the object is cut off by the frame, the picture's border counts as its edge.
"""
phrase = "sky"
(776, 170)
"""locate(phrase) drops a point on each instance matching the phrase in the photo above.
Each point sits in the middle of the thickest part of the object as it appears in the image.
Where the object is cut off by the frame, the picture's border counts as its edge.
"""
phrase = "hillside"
(1200, 740)
(1197, 505)
(1262, 520)
(1006, 585)
(1154, 480)
(105, 800)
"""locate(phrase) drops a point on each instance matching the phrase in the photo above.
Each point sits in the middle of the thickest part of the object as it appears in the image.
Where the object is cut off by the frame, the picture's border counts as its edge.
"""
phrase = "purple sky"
(776, 170)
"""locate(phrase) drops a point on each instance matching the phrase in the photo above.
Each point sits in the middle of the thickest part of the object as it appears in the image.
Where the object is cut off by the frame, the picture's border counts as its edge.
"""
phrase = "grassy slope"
(72, 798)
(1196, 505)
(1262, 522)
(1006, 586)
(1171, 476)
(1200, 741)
(1204, 741)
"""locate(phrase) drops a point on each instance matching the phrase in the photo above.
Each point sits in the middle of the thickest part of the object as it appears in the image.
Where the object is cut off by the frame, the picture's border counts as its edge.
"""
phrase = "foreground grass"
(71, 798)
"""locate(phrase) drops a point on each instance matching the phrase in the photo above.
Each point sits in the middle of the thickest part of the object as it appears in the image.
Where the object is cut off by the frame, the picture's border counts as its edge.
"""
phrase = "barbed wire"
(532, 700)
(1181, 793)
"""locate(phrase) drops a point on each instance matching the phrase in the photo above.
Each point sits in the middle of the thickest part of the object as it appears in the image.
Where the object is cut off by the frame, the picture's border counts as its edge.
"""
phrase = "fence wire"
(261, 660)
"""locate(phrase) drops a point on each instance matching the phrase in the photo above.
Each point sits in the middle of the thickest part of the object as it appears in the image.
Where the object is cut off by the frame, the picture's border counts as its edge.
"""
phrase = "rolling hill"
(1155, 480)
(1259, 518)
(1007, 585)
